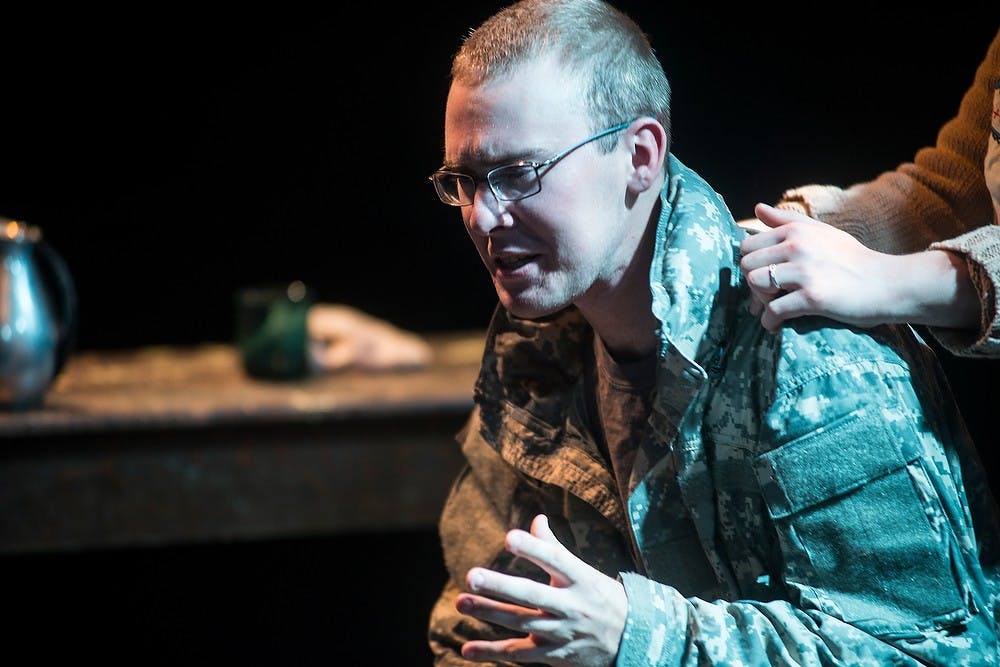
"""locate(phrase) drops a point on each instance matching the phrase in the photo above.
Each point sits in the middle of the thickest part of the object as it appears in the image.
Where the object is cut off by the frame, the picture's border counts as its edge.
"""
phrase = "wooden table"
(177, 445)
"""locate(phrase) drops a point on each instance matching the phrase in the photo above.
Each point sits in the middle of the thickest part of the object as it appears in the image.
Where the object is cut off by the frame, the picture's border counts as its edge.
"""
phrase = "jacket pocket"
(863, 539)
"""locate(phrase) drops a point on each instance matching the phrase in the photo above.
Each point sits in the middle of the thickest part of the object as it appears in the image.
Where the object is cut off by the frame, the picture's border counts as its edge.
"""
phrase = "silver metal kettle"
(38, 314)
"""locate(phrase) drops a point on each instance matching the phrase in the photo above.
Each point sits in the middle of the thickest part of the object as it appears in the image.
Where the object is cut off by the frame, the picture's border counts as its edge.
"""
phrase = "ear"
(648, 145)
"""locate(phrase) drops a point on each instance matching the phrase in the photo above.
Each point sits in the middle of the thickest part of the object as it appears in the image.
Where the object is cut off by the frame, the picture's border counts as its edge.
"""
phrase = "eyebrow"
(485, 161)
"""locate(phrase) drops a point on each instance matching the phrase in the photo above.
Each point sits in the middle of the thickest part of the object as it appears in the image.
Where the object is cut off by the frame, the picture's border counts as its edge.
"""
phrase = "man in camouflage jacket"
(807, 497)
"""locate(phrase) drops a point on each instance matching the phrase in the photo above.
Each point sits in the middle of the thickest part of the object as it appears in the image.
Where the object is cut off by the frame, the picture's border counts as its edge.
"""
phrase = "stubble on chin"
(526, 308)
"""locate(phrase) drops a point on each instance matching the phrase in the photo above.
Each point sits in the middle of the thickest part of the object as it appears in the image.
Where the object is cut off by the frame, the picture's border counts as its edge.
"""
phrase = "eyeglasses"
(508, 182)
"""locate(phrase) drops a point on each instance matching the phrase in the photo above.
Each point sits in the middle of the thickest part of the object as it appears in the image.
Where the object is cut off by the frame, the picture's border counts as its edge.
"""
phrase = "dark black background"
(172, 157)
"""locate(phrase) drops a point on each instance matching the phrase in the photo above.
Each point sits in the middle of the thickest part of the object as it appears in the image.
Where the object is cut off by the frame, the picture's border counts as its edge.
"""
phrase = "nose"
(486, 213)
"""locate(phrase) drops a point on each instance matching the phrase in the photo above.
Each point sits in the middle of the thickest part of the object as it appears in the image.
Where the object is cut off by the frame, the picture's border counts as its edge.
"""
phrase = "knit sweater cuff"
(794, 205)
(981, 250)
(828, 203)
(817, 201)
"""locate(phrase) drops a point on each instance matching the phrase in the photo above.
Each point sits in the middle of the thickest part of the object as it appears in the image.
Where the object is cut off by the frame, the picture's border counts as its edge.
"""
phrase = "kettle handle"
(65, 293)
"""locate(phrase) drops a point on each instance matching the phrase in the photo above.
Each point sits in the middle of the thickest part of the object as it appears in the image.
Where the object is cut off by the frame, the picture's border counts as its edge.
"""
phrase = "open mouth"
(513, 262)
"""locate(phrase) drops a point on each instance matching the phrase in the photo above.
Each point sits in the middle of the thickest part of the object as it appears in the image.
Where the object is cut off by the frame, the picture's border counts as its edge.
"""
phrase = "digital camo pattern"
(802, 498)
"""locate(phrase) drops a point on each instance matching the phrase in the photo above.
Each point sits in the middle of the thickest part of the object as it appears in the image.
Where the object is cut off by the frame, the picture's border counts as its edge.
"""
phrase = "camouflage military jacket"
(810, 497)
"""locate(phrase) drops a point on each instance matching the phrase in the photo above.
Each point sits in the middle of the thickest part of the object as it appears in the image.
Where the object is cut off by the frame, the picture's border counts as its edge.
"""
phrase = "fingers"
(788, 306)
(768, 218)
(518, 649)
(540, 529)
(542, 548)
(778, 295)
(519, 591)
(772, 279)
(752, 225)
(509, 615)
(524, 613)
(775, 217)
(580, 612)
(761, 242)
(772, 221)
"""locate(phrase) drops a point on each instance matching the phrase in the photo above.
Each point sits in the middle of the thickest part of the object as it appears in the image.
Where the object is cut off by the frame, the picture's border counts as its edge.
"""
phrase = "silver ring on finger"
(771, 268)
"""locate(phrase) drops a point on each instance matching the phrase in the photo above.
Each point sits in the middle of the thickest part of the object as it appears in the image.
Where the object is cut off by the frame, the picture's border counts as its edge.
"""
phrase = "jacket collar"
(534, 365)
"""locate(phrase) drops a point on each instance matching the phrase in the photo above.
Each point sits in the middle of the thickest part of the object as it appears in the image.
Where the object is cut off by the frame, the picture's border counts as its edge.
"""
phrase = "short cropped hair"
(624, 79)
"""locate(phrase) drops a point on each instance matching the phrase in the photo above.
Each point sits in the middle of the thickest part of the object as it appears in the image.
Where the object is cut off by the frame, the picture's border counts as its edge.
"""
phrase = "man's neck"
(621, 314)
(629, 335)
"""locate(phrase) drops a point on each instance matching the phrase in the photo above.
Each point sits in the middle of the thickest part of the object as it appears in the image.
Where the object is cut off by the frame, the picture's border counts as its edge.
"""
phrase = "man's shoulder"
(811, 352)
(691, 199)
(815, 373)
(812, 341)
(826, 361)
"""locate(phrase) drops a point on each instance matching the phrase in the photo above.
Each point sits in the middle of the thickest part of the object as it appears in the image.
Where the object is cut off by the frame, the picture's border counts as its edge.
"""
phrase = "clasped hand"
(820, 269)
(576, 619)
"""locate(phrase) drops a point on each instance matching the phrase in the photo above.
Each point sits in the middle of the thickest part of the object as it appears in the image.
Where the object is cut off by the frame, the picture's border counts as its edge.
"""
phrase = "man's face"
(563, 244)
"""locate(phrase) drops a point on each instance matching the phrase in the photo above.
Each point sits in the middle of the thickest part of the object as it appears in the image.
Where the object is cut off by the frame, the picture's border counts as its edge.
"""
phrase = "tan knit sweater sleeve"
(939, 200)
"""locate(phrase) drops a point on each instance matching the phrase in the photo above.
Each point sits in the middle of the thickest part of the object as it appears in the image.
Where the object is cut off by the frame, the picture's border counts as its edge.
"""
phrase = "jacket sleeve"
(666, 629)
(861, 473)
(935, 201)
